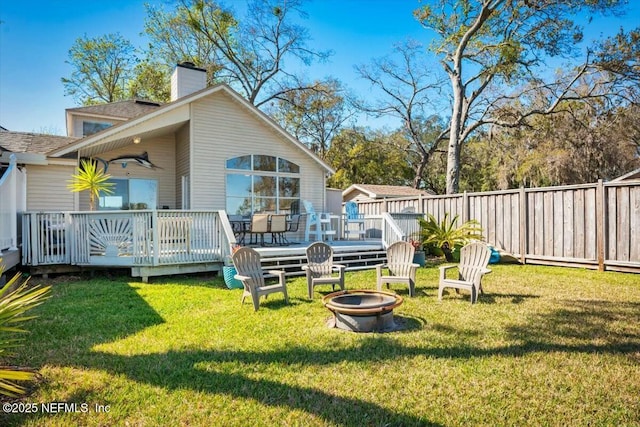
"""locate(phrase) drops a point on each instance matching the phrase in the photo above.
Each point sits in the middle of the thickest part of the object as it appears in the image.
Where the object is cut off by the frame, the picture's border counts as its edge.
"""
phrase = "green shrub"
(15, 299)
(444, 235)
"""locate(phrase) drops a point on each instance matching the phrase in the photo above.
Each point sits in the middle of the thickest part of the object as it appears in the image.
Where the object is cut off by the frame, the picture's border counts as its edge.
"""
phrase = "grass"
(544, 346)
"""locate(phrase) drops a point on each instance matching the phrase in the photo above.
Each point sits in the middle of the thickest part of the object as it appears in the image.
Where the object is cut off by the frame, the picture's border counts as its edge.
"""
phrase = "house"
(207, 149)
(186, 165)
(368, 192)
(634, 175)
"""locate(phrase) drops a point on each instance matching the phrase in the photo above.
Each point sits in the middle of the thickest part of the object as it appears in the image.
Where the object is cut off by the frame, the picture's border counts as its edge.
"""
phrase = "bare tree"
(315, 115)
(494, 51)
(408, 91)
(251, 53)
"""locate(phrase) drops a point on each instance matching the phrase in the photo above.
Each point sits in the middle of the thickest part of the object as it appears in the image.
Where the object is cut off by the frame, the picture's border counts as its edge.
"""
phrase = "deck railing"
(408, 223)
(124, 238)
(10, 204)
(391, 232)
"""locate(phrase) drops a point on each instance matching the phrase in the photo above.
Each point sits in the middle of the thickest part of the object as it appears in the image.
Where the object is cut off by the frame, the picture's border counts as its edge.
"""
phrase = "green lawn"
(544, 346)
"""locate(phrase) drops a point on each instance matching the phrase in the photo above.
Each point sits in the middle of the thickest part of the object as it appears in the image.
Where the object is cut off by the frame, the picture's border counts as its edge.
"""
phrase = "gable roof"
(130, 128)
(121, 109)
(23, 142)
(375, 191)
(634, 174)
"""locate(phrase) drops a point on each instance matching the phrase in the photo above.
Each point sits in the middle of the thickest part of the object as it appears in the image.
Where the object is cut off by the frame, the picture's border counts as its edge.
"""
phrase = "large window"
(89, 128)
(130, 194)
(261, 183)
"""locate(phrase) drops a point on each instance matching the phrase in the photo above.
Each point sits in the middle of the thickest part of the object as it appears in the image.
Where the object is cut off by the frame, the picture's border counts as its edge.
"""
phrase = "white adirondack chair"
(247, 263)
(400, 266)
(474, 258)
(320, 269)
(318, 223)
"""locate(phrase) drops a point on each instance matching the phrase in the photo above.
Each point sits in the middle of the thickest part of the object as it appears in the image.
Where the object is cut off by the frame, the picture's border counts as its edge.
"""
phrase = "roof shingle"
(22, 142)
(121, 109)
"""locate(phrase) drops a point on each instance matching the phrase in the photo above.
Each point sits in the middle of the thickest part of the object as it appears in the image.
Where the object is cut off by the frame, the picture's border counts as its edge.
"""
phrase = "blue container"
(228, 271)
(495, 256)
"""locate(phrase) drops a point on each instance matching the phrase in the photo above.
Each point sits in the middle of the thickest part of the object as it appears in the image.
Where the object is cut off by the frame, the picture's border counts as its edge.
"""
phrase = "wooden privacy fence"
(590, 225)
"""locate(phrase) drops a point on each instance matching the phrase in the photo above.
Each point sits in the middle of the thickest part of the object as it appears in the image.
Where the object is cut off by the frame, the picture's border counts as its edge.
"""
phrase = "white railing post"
(156, 237)
(391, 233)
(13, 203)
(8, 207)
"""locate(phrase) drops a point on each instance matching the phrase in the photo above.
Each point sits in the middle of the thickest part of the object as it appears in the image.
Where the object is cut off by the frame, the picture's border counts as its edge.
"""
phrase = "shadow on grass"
(577, 327)
(101, 314)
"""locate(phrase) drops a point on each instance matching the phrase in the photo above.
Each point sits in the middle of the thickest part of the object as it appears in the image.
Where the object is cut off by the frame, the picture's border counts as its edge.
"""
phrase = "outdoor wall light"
(136, 140)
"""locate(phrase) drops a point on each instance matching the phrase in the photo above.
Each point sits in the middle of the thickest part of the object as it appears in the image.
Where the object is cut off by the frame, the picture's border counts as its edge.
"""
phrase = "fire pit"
(363, 310)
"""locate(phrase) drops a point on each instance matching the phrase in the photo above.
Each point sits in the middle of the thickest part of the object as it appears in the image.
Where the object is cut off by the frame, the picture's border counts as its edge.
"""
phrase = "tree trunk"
(453, 149)
(453, 165)
(417, 180)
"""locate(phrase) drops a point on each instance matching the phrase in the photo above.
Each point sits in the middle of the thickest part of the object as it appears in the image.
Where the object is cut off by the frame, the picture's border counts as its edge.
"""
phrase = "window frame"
(252, 173)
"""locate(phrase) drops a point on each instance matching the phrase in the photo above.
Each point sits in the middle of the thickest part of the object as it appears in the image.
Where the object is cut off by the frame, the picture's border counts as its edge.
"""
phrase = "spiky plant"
(15, 299)
(446, 235)
(89, 178)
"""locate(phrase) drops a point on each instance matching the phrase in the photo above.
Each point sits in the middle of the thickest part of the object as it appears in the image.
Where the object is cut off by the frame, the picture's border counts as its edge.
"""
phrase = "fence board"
(567, 223)
(591, 240)
(551, 246)
(634, 225)
(612, 213)
(623, 224)
(578, 224)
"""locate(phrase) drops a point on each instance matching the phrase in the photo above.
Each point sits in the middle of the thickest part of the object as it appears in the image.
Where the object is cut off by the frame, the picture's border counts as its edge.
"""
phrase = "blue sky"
(35, 37)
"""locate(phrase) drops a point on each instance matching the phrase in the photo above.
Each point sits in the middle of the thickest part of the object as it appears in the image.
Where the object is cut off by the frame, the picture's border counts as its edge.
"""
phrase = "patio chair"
(474, 258)
(400, 266)
(259, 226)
(320, 269)
(353, 217)
(277, 227)
(247, 263)
(318, 223)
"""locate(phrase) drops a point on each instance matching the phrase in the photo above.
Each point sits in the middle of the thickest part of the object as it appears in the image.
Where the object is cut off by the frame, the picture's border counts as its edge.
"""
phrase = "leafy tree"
(173, 41)
(16, 298)
(151, 82)
(580, 144)
(251, 52)
(363, 156)
(405, 81)
(314, 115)
(102, 67)
(494, 51)
(89, 178)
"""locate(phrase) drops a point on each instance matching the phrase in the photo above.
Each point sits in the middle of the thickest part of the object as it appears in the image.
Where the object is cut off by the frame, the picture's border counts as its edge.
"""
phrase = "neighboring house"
(368, 192)
(634, 175)
(208, 149)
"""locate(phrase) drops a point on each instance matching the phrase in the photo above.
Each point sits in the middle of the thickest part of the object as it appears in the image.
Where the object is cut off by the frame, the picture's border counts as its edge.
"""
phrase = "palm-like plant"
(446, 236)
(89, 177)
(15, 300)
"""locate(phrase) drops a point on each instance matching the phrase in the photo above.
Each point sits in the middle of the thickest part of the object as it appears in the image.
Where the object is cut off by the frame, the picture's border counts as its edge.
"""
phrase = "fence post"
(600, 224)
(465, 207)
(523, 225)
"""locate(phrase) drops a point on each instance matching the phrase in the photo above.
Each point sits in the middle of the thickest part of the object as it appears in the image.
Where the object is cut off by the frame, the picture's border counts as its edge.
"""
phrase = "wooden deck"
(354, 254)
(159, 243)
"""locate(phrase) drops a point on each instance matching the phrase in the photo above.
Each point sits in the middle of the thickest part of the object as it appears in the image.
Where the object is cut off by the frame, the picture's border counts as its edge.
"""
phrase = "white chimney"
(187, 79)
